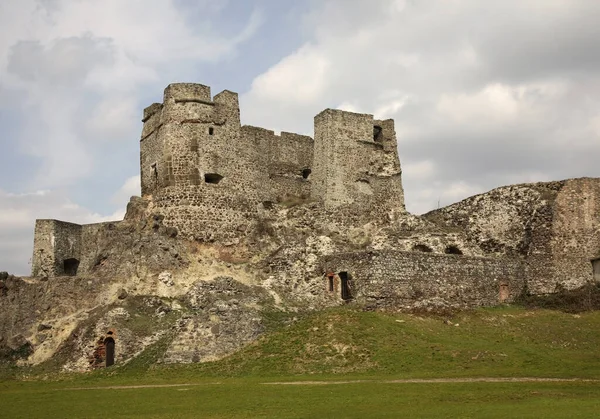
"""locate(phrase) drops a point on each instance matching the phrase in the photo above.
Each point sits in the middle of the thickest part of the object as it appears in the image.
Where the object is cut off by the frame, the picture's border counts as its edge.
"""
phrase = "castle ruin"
(307, 223)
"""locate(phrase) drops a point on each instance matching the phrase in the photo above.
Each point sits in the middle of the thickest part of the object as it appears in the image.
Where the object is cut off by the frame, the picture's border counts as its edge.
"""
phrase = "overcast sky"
(484, 93)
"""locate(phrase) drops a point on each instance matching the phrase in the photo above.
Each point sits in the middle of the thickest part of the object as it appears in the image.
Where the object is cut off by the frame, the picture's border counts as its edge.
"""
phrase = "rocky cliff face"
(191, 301)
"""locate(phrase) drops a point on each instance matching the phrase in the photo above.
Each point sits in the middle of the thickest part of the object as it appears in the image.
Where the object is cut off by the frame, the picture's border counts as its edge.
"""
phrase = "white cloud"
(299, 78)
(131, 187)
(80, 67)
(485, 92)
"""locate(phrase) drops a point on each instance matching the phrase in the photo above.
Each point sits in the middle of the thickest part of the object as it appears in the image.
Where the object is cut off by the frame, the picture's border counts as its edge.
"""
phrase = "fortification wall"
(356, 163)
(285, 163)
(554, 226)
(575, 230)
(57, 241)
(393, 279)
(151, 150)
(92, 235)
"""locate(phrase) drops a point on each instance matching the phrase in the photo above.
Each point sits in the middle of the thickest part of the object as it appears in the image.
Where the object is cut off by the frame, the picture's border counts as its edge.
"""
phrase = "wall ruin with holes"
(285, 162)
(213, 180)
(553, 226)
(57, 241)
(54, 242)
(392, 279)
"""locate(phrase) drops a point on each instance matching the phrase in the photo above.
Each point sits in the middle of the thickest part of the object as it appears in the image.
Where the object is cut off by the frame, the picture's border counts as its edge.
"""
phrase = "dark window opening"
(306, 173)
(70, 266)
(154, 171)
(212, 178)
(194, 144)
(109, 343)
(377, 134)
(211, 131)
(330, 283)
(596, 269)
(453, 250)
(422, 248)
(345, 285)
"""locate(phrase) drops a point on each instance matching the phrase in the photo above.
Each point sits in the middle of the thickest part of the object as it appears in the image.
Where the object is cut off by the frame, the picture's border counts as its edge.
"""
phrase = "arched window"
(109, 343)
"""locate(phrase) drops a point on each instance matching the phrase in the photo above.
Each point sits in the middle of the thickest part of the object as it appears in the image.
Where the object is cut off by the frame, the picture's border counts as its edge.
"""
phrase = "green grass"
(345, 344)
(498, 342)
(247, 398)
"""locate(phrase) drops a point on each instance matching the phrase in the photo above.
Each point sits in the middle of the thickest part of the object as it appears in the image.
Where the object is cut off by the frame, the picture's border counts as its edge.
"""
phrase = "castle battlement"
(195, 155)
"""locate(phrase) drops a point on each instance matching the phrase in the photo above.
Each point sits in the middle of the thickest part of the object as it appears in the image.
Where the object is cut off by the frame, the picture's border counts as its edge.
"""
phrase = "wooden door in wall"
(345, 286)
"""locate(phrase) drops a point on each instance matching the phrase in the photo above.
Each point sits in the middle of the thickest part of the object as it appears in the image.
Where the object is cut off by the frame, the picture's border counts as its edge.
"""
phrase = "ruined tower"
(195, 163)
(356, 163)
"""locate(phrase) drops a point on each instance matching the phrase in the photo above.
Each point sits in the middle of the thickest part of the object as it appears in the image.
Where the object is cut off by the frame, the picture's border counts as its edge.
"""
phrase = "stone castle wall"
(212, 180)
(575, 239)
(285, 162)
(54, 242)
(393, 279)
(210, 177)
(554, 226)
(62, 248)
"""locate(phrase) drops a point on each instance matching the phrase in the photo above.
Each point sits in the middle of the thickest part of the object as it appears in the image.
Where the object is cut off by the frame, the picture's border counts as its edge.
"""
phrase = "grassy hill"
(503, 341)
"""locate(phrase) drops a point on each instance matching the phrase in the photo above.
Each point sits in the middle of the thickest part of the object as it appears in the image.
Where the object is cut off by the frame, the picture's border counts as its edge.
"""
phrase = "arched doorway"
(70, 266)
(345, 285)
(109, 343)
(596, 269)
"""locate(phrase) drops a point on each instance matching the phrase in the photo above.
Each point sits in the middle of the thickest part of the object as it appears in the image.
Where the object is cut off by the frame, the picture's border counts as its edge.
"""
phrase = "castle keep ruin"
(301, 222)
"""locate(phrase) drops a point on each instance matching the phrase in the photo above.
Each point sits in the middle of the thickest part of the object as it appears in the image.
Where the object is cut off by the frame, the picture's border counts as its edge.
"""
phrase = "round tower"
(196, 165)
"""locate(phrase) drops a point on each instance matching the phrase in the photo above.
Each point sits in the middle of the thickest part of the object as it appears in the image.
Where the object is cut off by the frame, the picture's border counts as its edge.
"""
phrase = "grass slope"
(345, 344)
(492, 342)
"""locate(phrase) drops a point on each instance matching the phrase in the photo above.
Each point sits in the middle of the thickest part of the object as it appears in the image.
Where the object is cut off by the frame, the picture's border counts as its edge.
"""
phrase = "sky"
(484, 93)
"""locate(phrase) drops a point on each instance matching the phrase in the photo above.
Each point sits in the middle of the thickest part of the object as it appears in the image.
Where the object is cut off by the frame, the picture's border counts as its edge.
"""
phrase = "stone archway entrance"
(109, 343)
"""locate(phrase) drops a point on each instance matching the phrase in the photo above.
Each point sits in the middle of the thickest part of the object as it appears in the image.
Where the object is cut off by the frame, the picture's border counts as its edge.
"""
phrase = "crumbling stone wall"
(392, 279)
(285, 163)
(54, 242)
(554, 226)
(57, 242)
